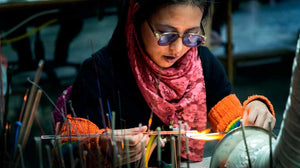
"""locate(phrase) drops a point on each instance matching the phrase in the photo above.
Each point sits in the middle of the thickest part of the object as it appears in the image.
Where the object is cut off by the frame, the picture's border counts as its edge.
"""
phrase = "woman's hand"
(257, 113)
(135, 137)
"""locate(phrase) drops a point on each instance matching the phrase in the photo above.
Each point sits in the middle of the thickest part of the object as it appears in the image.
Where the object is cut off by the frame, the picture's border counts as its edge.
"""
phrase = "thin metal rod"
(173, 152)
(48, 155)
(21, 155)
(114, 143)
(187, 146)
(119, 161)
(174, 133)
(27, 128)
(143, 154)
(270, 143)
(114, 160)
(39, 150)
(179, 145)
(99, 160)
(127, 152)
(61, 156)
(80, 155)
(158, 148)
(72, 161)
(2, 103)
(31, 98)
(244, 138)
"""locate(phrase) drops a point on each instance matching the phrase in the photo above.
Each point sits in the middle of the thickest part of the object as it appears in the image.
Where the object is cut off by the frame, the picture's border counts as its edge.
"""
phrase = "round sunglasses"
(189, 39)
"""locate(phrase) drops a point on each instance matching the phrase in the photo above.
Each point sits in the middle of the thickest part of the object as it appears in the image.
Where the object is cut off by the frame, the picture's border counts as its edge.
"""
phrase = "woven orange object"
(224, 112)
(261, 98)
(75, 126)
(227, 111)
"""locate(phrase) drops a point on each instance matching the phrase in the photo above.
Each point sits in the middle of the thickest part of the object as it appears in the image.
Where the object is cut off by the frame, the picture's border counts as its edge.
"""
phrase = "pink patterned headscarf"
(175, 93)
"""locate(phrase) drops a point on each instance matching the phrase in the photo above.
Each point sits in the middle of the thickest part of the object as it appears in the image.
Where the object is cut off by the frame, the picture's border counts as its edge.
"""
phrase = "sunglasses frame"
(159, 35)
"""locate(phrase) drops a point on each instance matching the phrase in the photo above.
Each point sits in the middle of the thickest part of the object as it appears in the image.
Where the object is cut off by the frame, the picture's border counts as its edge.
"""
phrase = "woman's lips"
(170, 58)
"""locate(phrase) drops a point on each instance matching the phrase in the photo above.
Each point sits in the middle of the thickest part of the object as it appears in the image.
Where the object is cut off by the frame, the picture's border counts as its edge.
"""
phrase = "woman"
(155, 63)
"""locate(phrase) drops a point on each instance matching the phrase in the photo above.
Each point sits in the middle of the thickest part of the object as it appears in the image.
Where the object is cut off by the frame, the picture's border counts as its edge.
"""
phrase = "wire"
(27, 20)
(29, 33)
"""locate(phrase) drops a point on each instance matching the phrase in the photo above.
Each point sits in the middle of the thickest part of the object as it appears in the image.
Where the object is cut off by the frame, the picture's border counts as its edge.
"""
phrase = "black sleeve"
(216, 83)
(87, 91)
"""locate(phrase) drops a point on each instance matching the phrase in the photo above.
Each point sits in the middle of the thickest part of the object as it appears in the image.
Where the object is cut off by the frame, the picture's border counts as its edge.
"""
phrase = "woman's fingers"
(261, 118)
(137, 148)
(135, 137)
(252, 116)
(133, 140)
(132, 158)
(134, 152)
(134, 130)
(258, 114)
(138, 129)
(245, 116)
(266, 123)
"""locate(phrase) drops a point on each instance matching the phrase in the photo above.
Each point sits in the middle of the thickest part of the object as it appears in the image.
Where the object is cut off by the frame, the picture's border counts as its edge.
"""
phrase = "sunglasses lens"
(167, 39)
(192, 41)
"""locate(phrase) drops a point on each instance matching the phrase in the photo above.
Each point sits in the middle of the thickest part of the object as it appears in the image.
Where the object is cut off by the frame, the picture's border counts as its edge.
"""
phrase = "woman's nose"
(176, 46)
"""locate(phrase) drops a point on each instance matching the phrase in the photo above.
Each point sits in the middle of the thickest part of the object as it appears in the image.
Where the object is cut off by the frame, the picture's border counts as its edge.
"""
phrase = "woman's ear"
(136, 7)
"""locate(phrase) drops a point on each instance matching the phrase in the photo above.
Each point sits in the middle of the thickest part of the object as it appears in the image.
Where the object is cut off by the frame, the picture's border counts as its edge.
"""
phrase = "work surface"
(204, 163)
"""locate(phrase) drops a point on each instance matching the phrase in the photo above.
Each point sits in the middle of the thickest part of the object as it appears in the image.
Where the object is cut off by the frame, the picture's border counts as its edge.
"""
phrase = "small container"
(231, 150)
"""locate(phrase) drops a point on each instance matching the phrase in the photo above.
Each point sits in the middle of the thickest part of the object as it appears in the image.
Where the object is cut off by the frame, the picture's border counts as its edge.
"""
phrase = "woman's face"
(178, 18)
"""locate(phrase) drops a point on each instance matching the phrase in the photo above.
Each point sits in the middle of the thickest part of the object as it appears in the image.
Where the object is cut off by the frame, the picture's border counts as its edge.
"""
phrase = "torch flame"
(205, 135)
(204, 131)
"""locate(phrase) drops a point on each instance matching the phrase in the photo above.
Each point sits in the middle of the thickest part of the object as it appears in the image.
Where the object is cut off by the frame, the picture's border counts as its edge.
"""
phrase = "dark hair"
(148, 7)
